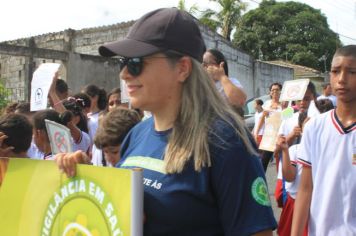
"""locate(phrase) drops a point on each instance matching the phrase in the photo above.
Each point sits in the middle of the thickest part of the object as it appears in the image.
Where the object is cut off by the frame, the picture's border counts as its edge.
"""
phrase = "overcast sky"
(24, 18)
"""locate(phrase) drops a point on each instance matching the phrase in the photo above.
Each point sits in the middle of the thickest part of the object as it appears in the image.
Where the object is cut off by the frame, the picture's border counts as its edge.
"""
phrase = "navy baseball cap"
(160, 30)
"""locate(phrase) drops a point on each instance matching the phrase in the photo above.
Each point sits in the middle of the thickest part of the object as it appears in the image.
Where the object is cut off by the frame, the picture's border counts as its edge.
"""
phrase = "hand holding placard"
(40, 85)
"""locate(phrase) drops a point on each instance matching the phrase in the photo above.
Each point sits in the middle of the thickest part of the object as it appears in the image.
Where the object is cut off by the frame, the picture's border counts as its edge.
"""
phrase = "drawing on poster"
(40, 85)
(60, 141)
(59, 137)
(38, 96)
(294, 90)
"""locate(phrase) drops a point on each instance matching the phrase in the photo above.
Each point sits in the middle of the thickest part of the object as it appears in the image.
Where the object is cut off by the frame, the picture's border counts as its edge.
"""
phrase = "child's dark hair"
(259, 102)
(324, 105)
(93, 90)
(74, 108)
(11, 107)
(346, 51)
(219, 57)
(48, 114)
(23, 108)
(312, 89)
(114, 126)
(61, 86)
(83, 100)
(18, 130)
(301, 118)
(114, 91)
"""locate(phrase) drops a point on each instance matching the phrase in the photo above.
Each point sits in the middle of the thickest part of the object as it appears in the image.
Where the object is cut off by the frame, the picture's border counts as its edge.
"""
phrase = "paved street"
(271, 176)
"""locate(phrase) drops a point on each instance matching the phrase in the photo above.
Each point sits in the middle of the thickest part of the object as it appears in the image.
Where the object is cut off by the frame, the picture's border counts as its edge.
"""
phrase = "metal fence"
(13, 94)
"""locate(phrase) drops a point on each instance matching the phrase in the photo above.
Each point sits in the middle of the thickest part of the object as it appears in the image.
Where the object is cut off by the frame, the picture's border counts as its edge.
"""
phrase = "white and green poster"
(36, 199)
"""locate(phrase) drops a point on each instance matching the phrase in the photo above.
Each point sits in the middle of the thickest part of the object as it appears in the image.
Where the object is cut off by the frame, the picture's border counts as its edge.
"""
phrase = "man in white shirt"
(327, 93)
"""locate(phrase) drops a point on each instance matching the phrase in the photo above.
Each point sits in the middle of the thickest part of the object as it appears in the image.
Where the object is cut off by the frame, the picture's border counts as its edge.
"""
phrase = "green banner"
(36, 199)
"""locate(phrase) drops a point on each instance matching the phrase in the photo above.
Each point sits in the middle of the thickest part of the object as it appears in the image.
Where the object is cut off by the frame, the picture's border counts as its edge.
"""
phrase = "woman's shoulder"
(224, 132)
(144, 124)
(141, 128)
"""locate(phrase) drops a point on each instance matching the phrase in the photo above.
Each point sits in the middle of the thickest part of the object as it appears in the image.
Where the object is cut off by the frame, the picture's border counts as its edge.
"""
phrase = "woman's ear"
(184, 68)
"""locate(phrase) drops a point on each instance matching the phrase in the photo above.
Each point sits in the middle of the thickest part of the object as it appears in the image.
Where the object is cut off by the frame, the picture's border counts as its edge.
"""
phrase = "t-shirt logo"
(260, 192)
(354, 159)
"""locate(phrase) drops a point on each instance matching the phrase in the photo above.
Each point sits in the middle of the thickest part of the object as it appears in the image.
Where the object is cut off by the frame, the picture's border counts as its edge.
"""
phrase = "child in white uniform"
(327, 191)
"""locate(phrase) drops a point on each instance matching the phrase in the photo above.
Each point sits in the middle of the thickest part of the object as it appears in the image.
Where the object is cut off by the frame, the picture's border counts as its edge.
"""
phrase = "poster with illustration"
(40, 84)
(59, 137)
(294, 90)
(270, 134)
(97, 202)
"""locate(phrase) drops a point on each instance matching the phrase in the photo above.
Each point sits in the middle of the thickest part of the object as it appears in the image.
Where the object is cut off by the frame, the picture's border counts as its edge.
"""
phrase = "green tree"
(226, 18)
(287, 30)
(191, 10)
(4, 94)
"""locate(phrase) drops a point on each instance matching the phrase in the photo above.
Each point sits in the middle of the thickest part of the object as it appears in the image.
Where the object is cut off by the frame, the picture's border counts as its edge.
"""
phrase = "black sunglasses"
(135, 64)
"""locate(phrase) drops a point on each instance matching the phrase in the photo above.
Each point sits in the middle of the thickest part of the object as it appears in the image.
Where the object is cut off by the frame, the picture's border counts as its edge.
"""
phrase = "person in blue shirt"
(201, 172)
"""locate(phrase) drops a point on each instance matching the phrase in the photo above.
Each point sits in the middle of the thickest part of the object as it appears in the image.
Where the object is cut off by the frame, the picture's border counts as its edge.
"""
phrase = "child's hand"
(265, 113)
(282, 143)
(67, 162)
(4, 149)
(297, 131)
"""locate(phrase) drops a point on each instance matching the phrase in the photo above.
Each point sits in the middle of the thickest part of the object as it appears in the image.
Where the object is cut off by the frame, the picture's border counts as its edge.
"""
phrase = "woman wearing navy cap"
(201, 172)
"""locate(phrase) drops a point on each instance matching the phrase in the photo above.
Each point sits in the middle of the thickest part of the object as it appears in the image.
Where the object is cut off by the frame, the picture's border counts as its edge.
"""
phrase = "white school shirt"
(83, 144)
(292, 187)
(220, 88)
(330, 150)
(93, 122)
(288, 125)
(34, 153)
(97, 157)
(258, 116)
(267, 107)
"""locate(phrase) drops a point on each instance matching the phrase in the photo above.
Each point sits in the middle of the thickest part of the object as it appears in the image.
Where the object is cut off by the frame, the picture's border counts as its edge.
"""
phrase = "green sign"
(36, 199)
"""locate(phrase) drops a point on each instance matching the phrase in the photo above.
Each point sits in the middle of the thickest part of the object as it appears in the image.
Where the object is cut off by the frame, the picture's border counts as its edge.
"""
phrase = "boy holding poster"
(289, 127)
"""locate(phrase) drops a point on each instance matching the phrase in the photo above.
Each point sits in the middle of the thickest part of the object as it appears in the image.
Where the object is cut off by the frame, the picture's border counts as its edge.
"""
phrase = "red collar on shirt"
(339, 126)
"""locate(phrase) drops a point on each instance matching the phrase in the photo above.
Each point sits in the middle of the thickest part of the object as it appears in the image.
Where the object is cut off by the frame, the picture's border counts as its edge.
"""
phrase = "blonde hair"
(201, 106)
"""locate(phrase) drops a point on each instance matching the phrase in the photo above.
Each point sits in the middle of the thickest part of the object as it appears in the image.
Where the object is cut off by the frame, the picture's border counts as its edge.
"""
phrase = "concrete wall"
(265, 74)
(85, 69)
(255, 76)
(12, 74)
(80, 70)
(87, 41)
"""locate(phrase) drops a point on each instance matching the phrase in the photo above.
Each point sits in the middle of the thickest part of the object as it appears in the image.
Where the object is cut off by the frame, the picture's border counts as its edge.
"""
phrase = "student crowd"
(195, 144)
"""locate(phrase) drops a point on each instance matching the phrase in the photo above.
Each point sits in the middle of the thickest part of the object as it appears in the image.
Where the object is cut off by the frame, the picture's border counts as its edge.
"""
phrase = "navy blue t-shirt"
(228, 198)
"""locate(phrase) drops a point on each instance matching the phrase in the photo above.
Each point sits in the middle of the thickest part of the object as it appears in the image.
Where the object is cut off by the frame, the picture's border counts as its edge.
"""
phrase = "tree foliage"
(287, 30)
(4, 94)
(192, 10)
(226, 18)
